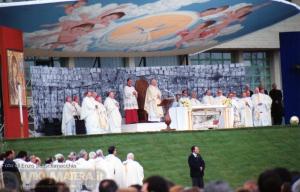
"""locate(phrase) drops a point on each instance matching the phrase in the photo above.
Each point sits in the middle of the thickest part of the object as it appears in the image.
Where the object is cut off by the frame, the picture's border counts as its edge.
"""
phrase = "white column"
(71, 62)
(276, 69)
(129, 62)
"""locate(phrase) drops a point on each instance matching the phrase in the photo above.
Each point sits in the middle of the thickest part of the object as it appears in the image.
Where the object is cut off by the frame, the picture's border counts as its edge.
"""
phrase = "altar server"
(130, 103)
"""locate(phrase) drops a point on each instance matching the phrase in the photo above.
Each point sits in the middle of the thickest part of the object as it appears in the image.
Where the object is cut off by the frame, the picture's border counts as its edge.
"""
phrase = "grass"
(231, 155)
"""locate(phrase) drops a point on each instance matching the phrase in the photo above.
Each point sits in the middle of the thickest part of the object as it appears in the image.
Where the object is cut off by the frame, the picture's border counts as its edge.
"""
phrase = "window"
(210, 58)
(258, 71)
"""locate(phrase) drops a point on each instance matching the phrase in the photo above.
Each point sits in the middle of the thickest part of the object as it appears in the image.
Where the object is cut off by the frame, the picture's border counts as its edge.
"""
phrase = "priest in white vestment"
(89, 114)
(220, 98)
(113, 113)
(101, 115)
(68, 121)
(261, 108)
(77, 106)
(236, 109)
(194, 99)
(118, 168)
(153, 98)
(104, 169)
(246, 111)
(134, 172)
(130, 103)
(208, 99)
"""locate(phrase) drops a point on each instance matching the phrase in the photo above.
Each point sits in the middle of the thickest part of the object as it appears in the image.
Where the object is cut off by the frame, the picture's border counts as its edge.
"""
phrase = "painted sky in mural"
(141, 25)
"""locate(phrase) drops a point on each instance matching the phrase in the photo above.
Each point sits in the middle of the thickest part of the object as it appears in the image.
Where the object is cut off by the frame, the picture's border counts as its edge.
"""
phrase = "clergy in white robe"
(102, 115)
(89, 114)
(236, 110)
(261, 109)
(118, 168)
(246, 111)
(134, 172)
(208, 99)
(220, 98)
(68, 121)
(113, 114)
(194, 99)
(130, 103)
(77, 107)
(104, 169)
(153, 98)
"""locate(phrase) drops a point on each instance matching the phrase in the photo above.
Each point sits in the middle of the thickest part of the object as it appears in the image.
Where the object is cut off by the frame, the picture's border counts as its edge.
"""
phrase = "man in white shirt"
(130, 103)
(118, 168)
(113, 114)
(68, 121)
(134, 172)
(153, 98)
(208, 99)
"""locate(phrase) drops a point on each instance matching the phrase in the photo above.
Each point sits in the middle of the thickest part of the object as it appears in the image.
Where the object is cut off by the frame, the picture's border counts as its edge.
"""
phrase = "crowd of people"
(105, 117)
(271, 180)
(125, 174)
(251, 109)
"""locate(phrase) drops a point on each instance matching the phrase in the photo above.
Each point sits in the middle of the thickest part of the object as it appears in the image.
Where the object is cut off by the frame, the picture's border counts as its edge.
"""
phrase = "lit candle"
(20, 103)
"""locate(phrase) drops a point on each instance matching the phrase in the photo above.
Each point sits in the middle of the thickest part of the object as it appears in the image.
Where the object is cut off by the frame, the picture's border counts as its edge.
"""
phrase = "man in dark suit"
(277, 107)
(11, 175)
(197, 166)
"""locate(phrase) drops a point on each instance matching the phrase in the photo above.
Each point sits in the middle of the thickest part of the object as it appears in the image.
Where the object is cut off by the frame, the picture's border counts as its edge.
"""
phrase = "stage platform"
(143, 127)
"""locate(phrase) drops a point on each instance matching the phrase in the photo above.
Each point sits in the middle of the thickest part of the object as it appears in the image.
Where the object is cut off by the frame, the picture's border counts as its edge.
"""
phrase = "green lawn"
(231, 155)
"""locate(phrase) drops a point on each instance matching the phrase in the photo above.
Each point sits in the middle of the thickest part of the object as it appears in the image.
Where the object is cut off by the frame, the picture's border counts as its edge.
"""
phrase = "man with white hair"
(92, 159)
(102, 115)
(246, 111)
(261, 108)
(59, 159)
(134, 172)
(208, 99)
(71, 158)
(68, 121)
(194, 99)
(103, 168)
(152, 99)
(220, 98)
(82, 162)
(88, 113)
(113, 113)
(118, 168)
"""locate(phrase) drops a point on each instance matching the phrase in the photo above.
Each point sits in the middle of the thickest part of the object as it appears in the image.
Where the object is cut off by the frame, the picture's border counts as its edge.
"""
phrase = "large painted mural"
(141, 25)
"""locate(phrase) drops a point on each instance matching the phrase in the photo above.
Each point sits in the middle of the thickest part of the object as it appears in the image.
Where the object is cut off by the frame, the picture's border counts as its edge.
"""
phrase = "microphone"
(172, 94)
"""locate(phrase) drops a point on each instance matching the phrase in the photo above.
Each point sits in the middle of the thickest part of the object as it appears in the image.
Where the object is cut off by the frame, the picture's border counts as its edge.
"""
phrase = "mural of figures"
(141, 25)
(16, 76)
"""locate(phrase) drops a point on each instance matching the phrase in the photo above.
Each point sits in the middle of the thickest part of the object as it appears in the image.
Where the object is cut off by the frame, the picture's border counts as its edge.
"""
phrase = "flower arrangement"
(227, 102)
(186, 102)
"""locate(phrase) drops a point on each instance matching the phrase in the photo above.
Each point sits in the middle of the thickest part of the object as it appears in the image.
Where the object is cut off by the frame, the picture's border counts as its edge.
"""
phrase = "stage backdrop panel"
(12, 74)
(50, 86)
(290, 70)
